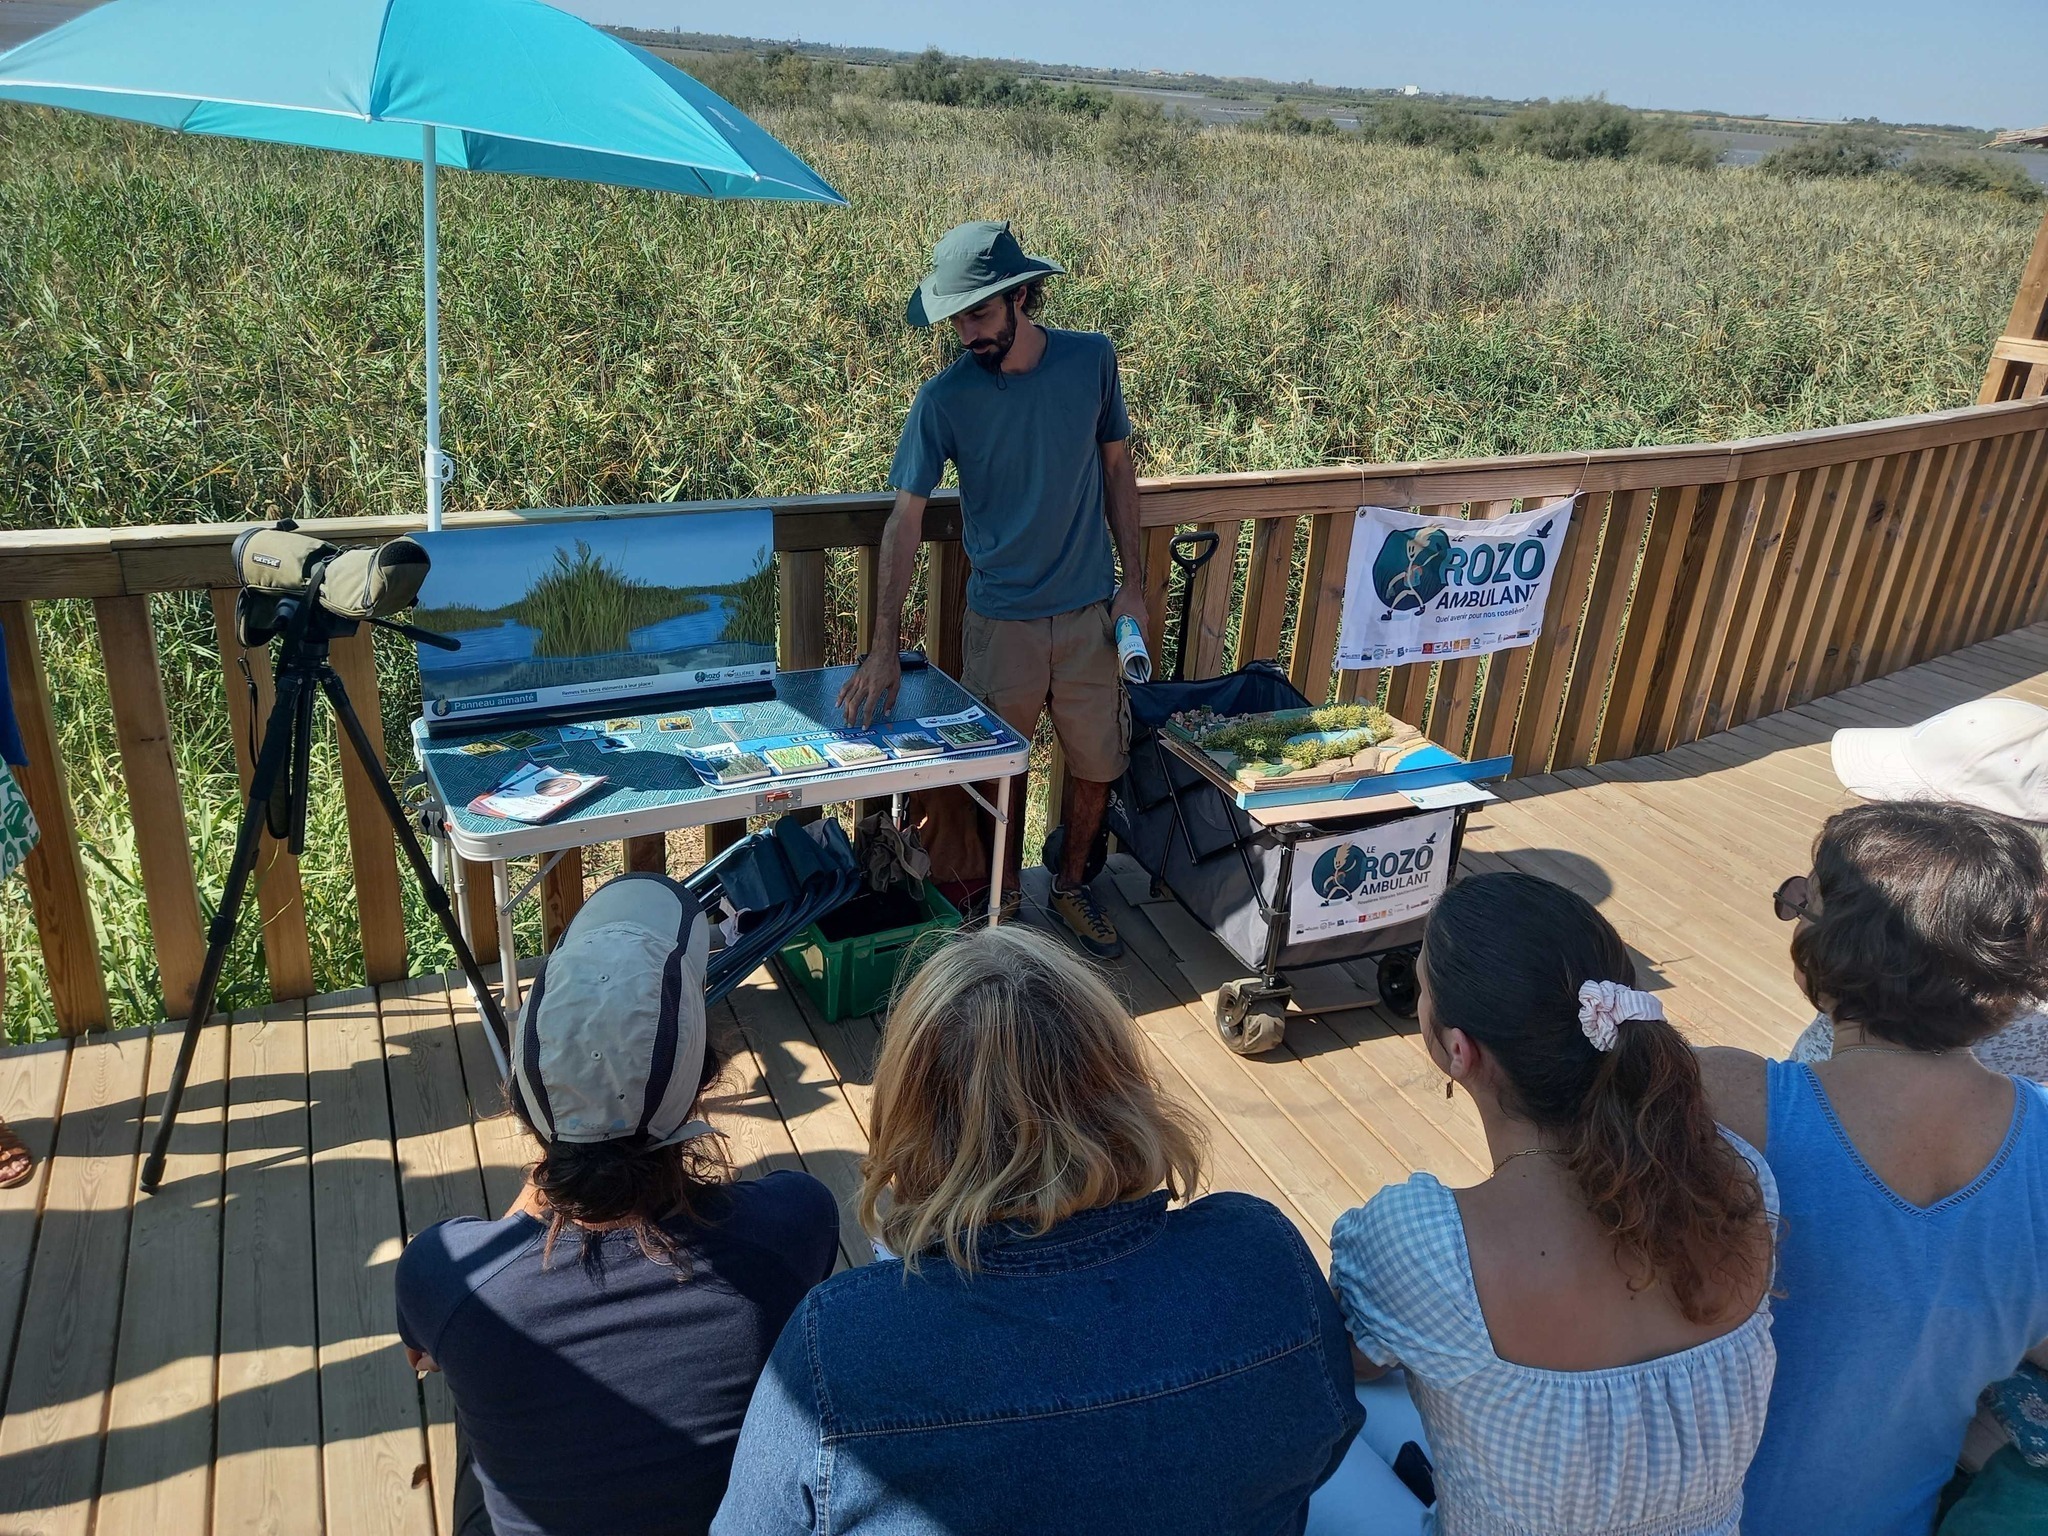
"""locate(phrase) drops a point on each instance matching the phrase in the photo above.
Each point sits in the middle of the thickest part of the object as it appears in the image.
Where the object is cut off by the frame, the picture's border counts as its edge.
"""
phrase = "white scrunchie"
(1604, 1006)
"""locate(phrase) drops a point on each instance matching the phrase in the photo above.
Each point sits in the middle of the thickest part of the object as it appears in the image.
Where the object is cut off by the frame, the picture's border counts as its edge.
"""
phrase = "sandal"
(17, 1163)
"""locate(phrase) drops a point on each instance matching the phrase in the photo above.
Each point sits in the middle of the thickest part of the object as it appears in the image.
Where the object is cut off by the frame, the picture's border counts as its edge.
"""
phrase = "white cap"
(611, 1041)
(1991, 754)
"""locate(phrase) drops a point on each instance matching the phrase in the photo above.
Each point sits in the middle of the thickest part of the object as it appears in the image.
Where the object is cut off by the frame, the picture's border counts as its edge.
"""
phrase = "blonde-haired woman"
(1057, 1350)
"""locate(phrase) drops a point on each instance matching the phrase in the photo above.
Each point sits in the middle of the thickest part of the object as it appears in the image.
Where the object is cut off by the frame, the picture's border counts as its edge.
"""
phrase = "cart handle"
(1198, 548)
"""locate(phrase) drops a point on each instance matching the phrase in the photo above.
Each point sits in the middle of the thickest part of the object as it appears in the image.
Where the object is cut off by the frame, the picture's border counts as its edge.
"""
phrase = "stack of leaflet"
(736, 764)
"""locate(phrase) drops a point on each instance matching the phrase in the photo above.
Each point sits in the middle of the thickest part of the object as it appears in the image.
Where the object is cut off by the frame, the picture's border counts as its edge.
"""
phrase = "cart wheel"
(1250, 1024)
(1055, 846)
(1399, 989)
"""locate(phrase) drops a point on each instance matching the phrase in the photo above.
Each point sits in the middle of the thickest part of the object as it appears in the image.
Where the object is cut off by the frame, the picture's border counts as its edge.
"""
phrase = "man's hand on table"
(872, 689)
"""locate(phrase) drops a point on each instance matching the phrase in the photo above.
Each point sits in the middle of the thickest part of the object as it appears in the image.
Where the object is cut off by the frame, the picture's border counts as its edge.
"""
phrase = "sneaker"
(1076, 906)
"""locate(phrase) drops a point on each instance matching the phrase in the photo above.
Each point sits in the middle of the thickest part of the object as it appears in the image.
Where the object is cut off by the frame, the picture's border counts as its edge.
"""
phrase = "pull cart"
(1290, 879)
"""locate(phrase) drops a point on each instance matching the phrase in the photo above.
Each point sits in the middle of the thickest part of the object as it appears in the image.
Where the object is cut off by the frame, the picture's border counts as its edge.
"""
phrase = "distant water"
(691, 629)
(510, 641)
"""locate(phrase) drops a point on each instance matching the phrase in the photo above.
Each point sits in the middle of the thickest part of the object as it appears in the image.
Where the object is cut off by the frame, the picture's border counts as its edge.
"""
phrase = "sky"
(490, 567)
(1945, 61)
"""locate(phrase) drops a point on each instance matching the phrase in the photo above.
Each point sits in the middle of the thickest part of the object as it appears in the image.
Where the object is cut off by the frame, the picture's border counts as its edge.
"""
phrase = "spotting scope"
(278, 563)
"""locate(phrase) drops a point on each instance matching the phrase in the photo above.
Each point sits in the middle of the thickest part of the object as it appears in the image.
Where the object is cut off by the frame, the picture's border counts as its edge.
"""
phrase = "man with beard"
(1033, 420)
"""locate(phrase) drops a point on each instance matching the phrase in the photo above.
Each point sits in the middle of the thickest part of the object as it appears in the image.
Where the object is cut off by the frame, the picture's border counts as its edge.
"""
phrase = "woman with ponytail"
(1587, 1333)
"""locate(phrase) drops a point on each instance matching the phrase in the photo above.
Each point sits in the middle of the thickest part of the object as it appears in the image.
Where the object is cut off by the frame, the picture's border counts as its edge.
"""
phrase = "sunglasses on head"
(1791, 899)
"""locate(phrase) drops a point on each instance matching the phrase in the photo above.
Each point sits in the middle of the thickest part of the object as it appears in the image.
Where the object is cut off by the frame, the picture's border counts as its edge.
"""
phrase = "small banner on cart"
(1358, 881)
(1437, 588)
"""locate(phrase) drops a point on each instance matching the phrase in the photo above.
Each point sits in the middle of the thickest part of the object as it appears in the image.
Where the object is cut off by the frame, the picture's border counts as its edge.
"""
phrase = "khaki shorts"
(1019, 667)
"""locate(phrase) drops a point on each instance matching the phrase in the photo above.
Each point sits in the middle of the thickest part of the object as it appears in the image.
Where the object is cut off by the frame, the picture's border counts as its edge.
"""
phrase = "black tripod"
(277, 799)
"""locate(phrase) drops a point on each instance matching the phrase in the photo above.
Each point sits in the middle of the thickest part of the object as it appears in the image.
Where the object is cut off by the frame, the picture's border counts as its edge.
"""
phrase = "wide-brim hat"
(973, 262)
(611, 1042)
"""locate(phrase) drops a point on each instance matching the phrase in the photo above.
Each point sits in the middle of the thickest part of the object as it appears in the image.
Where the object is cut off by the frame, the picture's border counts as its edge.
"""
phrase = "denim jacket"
(1133, 1370)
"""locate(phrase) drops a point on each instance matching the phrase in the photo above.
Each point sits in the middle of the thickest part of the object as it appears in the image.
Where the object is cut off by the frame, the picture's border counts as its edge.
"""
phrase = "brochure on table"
(718, 748)
(576, 615)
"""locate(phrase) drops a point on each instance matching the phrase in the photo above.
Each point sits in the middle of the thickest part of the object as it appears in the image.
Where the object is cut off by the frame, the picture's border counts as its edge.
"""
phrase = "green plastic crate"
(856, 975)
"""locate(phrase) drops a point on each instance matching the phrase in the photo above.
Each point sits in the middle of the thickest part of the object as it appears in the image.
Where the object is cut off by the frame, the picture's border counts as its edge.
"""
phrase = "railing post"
(1215, 588)
(2011, 604)
(1645, 648)
(149, 768)
(561, 895)
(1613, 576)
(55, 872)
(1265, 590)
(2014, 379)
(1550, 658)
(945, 603)
(1322, 603)
(373, 850)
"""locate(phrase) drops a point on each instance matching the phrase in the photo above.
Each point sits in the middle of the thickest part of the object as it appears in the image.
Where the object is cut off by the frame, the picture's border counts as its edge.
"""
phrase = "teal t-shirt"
(1028, 449)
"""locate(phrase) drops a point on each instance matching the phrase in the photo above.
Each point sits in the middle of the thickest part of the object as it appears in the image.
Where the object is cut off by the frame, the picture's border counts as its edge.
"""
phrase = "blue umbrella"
(481, 85)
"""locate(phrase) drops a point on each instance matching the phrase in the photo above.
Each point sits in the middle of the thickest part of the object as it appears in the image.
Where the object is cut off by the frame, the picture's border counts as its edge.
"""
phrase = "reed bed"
(194, 330)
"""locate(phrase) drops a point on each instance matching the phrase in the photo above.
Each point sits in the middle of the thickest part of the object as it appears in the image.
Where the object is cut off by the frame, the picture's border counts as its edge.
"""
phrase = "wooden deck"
(220, 1357)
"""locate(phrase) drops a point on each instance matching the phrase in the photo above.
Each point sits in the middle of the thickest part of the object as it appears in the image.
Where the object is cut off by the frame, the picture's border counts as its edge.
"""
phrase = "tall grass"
(194, 330)
(582, 606)
(750, 614)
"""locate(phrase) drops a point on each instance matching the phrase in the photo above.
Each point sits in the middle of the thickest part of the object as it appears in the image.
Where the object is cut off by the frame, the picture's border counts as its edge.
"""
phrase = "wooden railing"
(2019, 358)
(1699, 587)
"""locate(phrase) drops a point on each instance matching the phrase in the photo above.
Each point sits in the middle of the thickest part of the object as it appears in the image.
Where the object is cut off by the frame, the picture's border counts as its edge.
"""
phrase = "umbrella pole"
(433, 462)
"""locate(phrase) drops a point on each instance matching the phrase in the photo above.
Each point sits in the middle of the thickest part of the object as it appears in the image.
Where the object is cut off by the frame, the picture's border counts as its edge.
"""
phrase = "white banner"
(1428, 588)
(1355, 882)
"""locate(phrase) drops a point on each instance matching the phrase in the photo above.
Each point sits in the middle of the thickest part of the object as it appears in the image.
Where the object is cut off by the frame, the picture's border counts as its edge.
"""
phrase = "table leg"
(1001, 840)
(458, 892)
(508, 955)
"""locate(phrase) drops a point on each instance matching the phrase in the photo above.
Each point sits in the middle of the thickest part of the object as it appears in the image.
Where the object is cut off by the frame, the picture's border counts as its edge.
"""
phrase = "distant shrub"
(935, 77)
(1137, 137)
(1574, 130)
(1997, 174)
(1079, 100)
(1287, 118)
(1038, 132)
(1431, 124)
(1841, 151)
(780, 78)
(1669, 144)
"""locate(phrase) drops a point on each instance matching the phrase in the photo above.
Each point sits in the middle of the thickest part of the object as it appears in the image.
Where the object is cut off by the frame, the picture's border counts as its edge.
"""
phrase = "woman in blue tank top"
(1913, 1181)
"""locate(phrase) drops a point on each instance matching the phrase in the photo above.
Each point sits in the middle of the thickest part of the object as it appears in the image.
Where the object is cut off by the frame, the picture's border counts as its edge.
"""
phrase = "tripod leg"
(277, 741)
(437, 898)
(301, 770)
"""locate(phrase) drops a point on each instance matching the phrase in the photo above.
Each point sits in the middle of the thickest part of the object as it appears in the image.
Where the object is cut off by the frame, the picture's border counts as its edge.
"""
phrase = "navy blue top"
(1889, 1317)
(1028, 448)
(608, 1396)
(11, 749)
(1132, 1370)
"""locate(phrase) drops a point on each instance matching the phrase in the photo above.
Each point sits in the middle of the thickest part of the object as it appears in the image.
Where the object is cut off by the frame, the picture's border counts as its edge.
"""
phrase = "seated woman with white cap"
(1914, 1182)
(603, 1338)
(1991, 754)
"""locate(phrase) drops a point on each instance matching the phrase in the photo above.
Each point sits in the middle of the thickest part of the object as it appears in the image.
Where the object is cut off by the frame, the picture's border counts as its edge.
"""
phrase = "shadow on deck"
(220, 1356)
